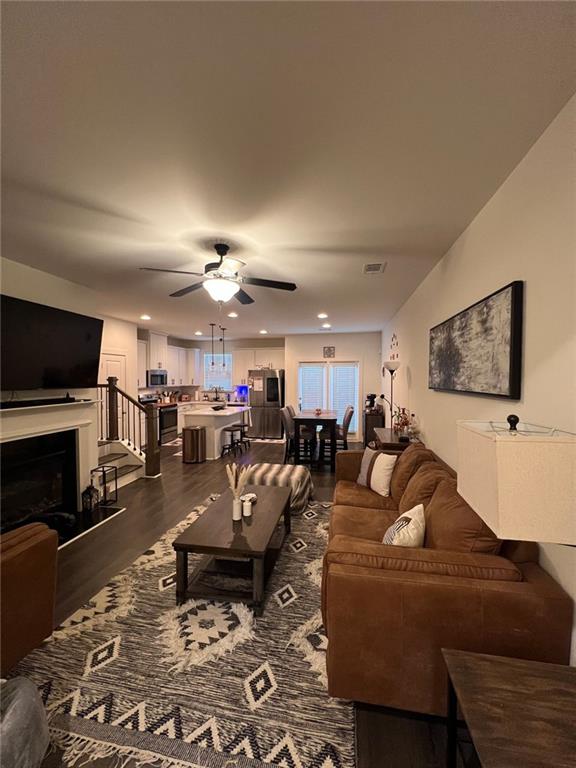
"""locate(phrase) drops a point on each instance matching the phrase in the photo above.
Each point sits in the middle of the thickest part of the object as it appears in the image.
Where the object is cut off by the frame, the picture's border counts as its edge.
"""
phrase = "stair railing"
(121, 417)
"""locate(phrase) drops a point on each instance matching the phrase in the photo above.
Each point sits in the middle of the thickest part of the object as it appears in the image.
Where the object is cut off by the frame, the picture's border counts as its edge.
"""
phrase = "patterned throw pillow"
(376, 471)
(408, 529)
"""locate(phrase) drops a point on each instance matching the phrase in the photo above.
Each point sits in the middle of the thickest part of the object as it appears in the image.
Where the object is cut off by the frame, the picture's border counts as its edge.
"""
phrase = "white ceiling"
(317, 136)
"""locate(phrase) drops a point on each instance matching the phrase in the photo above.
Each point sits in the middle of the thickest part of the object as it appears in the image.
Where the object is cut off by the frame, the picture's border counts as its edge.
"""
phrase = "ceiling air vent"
(374, 269)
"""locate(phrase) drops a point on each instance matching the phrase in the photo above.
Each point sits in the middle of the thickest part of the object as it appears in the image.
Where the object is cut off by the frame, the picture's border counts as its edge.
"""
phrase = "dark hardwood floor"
(385, 738)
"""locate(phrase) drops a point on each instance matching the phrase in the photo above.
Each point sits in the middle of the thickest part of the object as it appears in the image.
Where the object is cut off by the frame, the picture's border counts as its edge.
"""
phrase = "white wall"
(527, 232)
(118, 336)
(364, 348)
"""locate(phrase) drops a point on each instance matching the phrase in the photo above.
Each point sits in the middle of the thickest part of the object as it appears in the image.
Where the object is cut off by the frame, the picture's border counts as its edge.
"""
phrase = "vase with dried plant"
(237, 479)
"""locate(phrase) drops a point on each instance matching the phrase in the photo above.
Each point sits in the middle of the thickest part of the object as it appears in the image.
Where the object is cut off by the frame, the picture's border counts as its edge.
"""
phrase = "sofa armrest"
(348, 465)
(28, 560)
(386, 627)
(348, 550)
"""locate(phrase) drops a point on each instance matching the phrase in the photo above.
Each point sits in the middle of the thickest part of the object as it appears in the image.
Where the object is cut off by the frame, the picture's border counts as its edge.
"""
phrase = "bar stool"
(244, 439)
(235, 443)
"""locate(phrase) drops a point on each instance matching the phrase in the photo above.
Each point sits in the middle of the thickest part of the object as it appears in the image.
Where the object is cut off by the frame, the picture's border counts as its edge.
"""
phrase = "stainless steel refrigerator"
(266, 400)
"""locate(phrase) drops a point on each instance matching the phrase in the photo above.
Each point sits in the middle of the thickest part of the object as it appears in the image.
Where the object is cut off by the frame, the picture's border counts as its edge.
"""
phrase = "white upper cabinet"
(242, 361)
(194, 368)
(173, 366)
(142, 364)
(157, 351)
(183, 373)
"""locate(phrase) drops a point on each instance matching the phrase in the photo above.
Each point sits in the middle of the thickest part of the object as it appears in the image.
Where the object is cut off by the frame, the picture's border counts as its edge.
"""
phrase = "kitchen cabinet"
(269, 358)
(242, 362)
(180, 372)
(194, 367)
(157, 351)
(142, 364)
(183, 372)
(173, 366)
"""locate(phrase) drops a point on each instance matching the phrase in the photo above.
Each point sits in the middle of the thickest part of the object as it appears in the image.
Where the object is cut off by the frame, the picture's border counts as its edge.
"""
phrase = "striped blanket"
(297, 477)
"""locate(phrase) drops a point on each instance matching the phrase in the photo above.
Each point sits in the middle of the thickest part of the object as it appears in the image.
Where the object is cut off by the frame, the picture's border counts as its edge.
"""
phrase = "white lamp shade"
(392, 365)
(221, 289)
(522, 485)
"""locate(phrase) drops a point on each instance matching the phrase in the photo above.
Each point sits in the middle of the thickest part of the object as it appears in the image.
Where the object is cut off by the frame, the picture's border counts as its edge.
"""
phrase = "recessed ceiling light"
(198, 333)
(232, 314)
(145, 317)
(322, 316)
(326, 325)
(263, 331)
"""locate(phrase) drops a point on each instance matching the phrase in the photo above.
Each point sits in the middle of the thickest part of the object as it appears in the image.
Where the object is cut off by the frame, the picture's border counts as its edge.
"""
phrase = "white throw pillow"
(376, 471)
(408, 529)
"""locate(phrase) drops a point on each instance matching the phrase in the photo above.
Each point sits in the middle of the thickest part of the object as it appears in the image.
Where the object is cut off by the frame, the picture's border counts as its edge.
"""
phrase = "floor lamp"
(392, 366)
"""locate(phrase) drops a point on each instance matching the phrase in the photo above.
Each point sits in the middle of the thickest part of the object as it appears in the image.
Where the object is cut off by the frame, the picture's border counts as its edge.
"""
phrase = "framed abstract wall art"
(479, 350)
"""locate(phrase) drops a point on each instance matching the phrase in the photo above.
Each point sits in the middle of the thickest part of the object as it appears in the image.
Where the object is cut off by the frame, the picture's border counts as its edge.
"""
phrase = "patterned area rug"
(203, 684)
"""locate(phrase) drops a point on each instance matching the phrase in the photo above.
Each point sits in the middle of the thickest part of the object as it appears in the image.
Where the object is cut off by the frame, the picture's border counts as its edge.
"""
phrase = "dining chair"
(306, 434)
(341, 431)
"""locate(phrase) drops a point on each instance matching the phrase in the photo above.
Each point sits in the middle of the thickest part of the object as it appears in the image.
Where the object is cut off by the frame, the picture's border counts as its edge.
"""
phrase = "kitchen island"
(214, 421)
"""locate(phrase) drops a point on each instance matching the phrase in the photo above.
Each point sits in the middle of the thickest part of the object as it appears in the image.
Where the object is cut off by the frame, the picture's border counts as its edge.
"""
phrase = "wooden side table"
(388, 440)
(519, 713)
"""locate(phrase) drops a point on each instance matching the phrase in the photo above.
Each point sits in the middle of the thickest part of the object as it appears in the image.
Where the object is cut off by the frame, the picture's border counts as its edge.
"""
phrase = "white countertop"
(208, 411)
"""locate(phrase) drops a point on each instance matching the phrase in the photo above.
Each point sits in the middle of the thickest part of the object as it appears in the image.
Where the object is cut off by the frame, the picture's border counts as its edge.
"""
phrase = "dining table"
(313, 419)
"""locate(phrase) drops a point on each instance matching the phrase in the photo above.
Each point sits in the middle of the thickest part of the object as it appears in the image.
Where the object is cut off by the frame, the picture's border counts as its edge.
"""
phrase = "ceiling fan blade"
(172, 271)
(243, 297)
(188, 289)
(231, 266)
(278, 284)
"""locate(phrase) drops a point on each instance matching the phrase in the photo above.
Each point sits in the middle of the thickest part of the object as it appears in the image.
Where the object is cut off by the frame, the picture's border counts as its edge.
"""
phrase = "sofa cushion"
(408, 529)
(422, 485)
(452, 524)
(360, 522)
(520, 551)
(345, 550)
(408, 462)
(354, 495)
(376, 471)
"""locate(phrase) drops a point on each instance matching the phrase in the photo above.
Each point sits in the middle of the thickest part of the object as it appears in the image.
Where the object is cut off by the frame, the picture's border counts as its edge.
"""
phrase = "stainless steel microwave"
(156, 378)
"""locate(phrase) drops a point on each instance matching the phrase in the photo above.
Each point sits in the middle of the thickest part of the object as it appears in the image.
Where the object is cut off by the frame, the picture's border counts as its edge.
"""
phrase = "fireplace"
(40, 483)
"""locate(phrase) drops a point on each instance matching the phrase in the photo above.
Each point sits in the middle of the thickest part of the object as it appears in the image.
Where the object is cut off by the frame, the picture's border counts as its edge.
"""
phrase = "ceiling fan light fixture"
(221, 289)
(232, 314)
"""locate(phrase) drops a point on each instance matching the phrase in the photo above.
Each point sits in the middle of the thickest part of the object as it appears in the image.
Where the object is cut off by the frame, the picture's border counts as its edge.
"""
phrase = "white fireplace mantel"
(82, 416)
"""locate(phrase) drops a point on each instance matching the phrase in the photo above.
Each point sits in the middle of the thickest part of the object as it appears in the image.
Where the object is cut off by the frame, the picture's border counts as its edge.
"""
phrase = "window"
(219, 374)
(331, 386)
(312, 386)
(343, 378)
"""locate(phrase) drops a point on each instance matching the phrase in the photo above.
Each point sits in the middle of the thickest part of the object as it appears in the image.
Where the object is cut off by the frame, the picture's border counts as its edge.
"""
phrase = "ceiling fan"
(221, 279)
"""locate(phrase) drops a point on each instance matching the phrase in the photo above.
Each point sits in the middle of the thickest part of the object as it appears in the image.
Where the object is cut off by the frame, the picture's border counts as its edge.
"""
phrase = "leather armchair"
(28, 558)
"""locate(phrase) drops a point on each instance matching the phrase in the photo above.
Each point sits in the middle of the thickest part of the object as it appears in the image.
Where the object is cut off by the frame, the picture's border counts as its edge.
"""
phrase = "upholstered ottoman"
(296, 477)
(24, 735)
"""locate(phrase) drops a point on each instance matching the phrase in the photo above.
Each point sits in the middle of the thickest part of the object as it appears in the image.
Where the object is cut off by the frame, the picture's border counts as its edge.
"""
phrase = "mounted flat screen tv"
(47, 348)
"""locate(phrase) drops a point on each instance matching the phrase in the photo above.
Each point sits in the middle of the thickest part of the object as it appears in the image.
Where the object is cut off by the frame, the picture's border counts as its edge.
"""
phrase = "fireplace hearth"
(40, 485)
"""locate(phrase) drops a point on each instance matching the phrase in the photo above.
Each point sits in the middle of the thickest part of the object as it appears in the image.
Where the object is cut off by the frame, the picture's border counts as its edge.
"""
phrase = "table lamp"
(520, 478)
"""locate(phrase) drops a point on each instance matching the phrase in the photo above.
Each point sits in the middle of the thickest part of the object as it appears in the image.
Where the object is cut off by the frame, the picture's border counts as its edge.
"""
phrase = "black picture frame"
(453, 363)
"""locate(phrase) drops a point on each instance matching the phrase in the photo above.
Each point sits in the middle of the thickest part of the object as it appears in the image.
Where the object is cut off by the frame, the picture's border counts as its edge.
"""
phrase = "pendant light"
(212, 325)
(223, 348)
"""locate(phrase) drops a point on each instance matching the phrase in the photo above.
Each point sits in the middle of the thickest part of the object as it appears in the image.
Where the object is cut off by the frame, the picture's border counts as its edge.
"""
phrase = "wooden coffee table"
(248, 548)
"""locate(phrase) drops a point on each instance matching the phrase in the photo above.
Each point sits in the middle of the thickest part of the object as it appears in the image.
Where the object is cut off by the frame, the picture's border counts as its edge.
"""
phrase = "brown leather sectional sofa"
(28, 557)
(389, 610)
